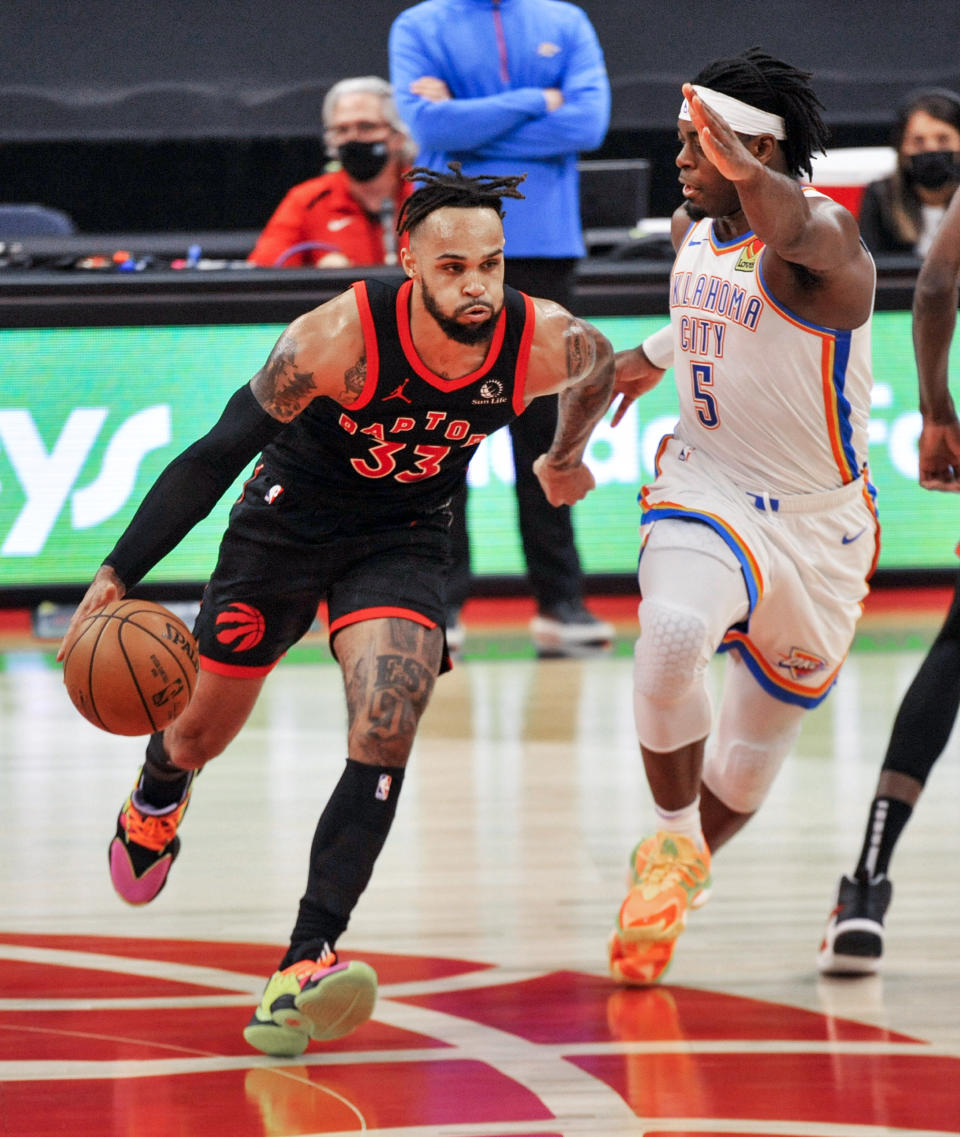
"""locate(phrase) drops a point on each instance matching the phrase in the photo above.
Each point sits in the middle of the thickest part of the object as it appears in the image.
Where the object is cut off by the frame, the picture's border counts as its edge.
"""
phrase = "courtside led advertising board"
(90, 416)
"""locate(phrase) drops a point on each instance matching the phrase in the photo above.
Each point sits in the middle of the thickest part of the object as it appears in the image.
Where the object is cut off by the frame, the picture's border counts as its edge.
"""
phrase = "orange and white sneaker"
(145, 845)
(669, 876)
(641, 963)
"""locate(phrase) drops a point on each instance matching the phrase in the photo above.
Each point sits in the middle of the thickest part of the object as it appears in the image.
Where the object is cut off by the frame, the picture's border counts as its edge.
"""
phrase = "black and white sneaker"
(568, 628)
(853, 941)
(456, 632)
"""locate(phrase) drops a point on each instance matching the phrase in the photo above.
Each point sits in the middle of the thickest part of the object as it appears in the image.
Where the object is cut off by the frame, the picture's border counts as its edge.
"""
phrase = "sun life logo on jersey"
(491, 393)
(800, 663)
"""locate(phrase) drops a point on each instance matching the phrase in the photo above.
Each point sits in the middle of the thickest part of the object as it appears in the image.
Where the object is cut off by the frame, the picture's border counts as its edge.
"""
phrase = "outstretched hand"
(564, 485)
(105, 588)
(939, 458)
(635, 375)
(720, 144)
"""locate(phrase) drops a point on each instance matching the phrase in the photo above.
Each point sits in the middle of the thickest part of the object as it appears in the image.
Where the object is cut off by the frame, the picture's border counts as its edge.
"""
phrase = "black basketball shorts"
(280, 557)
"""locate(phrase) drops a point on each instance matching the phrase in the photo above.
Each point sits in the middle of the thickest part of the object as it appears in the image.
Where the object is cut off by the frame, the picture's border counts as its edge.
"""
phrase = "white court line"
(589, 1127)
(32, 1070)
(200, 975)
(126, 965)
(157, 1003)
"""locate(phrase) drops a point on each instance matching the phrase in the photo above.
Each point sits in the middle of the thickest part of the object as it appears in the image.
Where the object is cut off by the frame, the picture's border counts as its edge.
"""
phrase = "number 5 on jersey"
(703, 397)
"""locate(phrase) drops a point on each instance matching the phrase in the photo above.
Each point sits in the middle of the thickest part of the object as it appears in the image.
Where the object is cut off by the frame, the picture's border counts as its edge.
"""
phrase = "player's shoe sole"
(320, 1000)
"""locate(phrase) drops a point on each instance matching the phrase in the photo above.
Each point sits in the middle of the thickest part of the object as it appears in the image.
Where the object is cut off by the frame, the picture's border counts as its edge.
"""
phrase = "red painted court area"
(116, 1037)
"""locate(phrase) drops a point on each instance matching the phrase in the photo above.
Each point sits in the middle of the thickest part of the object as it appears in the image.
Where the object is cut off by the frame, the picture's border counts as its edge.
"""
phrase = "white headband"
(739, 116)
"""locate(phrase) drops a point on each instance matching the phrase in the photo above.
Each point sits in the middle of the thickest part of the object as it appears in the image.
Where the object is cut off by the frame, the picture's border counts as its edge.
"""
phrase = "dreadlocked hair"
(769, 84)
(455, 190)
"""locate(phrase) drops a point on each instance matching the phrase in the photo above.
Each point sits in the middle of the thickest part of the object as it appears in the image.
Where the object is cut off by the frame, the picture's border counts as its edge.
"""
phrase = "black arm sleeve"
(192, 485)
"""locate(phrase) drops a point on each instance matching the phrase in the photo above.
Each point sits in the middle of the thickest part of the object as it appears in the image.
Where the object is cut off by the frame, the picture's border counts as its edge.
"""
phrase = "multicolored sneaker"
(669, 875)
(146, 845)
(639, 964)
(853, 941)
(568, 628)
(320, 999)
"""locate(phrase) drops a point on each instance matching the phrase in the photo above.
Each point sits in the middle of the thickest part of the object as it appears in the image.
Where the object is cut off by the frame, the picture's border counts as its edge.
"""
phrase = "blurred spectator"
(346, 217)
(900, 213)
(515, 87)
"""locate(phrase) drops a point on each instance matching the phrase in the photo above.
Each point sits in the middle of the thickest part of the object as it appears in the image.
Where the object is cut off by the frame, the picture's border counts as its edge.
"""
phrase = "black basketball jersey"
(402, 448)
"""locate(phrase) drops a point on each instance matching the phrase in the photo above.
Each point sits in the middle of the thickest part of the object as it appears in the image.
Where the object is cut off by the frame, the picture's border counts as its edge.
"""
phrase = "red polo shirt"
(322, 211)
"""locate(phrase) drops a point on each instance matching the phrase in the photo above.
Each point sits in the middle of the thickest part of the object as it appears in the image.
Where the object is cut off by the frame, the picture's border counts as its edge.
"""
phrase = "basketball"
(132, 668)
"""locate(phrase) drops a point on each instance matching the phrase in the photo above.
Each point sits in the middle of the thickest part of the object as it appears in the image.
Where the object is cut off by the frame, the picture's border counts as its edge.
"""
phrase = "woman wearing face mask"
(900, 213)
(346, 216)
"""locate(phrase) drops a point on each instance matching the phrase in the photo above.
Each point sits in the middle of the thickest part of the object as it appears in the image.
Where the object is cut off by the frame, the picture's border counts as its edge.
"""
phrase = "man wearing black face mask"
(345, 217)
(901, 213)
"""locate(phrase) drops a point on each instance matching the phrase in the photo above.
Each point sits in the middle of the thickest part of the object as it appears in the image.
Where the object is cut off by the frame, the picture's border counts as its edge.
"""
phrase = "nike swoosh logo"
(849, 540)
(338, 223)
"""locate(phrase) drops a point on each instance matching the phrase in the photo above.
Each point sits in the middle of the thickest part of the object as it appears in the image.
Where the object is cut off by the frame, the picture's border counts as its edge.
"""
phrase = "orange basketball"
(132, 668)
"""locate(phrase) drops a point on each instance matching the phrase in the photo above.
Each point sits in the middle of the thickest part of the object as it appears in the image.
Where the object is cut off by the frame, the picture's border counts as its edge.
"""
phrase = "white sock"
(685, 822)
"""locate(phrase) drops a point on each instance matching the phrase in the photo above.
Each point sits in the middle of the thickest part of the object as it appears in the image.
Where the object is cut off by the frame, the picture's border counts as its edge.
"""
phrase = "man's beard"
(695, 212)
(468, 334)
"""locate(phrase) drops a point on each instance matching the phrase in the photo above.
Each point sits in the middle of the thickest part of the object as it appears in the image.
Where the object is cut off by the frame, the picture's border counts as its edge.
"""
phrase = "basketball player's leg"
(389, 665)
(146, 842)
(247, 620)
(922, 727)
(754, 733)
(214, 717)
(853, 942)
(693, 591)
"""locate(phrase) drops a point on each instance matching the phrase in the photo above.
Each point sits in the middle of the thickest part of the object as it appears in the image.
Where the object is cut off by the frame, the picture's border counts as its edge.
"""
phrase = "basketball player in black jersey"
(364, 418)
(853, 941)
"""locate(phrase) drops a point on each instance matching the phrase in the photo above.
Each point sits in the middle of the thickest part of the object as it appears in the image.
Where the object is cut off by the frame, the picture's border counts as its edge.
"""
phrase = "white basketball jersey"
(782, 403)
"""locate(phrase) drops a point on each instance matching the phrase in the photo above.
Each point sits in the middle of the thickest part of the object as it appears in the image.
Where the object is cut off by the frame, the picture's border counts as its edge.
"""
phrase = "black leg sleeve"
(348, 839)
(929, 708)
(163, 783)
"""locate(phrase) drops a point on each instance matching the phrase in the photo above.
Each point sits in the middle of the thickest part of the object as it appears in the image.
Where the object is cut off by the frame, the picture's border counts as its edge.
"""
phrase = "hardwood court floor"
(486, 921)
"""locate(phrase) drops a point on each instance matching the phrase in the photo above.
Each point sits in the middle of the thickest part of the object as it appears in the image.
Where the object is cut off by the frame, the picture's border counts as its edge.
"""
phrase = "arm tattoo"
(579, 350)
(353, 380)
(282, 390)
(583, 403)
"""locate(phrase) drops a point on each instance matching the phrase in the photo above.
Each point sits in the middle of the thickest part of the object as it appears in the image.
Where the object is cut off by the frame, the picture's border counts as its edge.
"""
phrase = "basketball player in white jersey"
(759, 531)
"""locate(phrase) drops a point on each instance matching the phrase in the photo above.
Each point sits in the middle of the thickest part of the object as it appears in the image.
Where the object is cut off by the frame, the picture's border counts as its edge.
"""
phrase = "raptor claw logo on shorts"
(800, 663)
(241, 627)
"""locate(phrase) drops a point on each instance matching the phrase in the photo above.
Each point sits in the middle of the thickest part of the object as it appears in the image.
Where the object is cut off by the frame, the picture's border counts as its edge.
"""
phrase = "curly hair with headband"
(771, 85)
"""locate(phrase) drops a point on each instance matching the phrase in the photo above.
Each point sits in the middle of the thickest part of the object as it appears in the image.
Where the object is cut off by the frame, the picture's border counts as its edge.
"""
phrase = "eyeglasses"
(361, 130)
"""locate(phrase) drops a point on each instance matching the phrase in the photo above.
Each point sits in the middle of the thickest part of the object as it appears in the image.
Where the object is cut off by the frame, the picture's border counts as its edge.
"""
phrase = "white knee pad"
(670, 699)
(693, 591)
(745, 756)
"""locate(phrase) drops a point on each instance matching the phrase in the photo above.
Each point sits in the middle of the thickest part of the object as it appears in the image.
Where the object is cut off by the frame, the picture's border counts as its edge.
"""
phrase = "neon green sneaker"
(670, 876)
(321, 999)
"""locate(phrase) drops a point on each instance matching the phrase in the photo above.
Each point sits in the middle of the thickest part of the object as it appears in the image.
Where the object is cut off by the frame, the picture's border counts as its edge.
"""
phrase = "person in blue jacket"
(515, 87)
